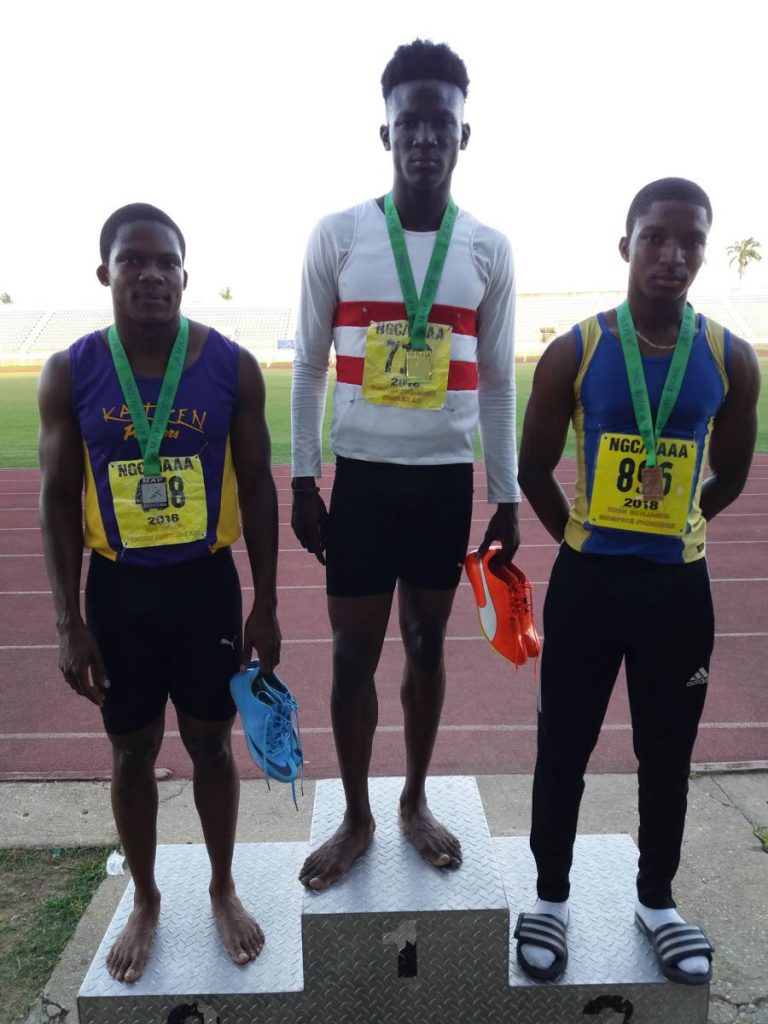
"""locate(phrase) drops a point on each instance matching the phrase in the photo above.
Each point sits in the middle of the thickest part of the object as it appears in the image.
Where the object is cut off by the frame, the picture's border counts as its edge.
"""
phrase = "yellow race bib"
(617, 494)
(171, 510)
(395, 374)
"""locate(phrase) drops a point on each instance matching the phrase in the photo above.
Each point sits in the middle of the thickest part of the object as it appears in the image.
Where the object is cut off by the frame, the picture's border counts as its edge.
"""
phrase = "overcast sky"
(248, 122)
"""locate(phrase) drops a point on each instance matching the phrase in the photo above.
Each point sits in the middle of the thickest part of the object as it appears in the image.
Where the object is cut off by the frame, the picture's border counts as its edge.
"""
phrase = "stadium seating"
(15, 328)
(28, 337)
(754, 310)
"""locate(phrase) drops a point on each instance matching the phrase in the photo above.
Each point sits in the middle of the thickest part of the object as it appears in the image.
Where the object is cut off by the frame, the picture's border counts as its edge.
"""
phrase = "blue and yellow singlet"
(609, 514)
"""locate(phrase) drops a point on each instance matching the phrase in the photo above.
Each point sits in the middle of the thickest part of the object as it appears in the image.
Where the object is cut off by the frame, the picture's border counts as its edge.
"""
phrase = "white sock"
(656, 918)
(537, 956)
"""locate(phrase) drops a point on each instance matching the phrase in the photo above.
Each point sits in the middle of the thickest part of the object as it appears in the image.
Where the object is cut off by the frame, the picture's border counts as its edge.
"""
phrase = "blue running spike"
(268, 710)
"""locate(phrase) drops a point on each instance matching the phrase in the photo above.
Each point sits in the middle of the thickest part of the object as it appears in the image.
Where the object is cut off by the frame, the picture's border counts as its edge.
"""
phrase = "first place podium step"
(397, 940)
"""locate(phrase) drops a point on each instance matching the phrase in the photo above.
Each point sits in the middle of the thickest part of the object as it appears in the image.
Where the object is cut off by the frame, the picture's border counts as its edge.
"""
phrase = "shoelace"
(291, 718)
(288, 707)
(517, 600)
(519, 597)
(278, 735)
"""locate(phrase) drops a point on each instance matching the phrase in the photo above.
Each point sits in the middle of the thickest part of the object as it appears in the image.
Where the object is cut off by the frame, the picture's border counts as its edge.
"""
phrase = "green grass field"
(18, 415)
(43, 896)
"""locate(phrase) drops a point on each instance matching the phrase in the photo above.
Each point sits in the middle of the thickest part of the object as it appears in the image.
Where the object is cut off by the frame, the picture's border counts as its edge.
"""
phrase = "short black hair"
(129, 214)
(667, 188)
(413, 62)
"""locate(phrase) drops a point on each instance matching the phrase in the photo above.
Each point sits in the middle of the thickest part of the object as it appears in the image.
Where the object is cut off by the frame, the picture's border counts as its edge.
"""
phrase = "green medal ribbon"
(417, 306)
(637, 383)
(149, 438)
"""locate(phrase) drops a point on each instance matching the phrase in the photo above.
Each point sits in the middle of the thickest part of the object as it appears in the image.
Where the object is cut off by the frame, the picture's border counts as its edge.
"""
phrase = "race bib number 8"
(396, 374)
(154, 511)
(618, 501)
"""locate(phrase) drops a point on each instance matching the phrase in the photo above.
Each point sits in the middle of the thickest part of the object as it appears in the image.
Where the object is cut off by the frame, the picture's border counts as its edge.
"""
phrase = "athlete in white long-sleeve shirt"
(417, 368)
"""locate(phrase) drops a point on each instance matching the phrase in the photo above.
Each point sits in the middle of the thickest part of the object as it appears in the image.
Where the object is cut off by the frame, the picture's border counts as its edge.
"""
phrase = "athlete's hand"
(504, 528)
(309, 521)
(80, 663)
(262, 632)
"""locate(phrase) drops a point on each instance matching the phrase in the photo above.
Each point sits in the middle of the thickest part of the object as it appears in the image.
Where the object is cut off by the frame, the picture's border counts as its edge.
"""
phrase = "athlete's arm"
(733, 433)
(314, 335)
(545, 429)
(251, 451)
(496, 390)
(60, 448)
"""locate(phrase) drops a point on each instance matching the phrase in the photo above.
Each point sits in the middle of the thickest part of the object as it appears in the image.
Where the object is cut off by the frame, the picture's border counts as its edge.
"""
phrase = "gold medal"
(653, 483)
(418, 366)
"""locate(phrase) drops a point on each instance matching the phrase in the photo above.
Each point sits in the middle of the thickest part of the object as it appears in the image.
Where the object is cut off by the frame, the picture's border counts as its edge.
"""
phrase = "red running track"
(47, 732)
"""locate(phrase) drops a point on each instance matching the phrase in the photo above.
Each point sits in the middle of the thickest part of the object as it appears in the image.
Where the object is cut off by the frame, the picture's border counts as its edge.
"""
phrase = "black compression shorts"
(171, 632)
(389, 521)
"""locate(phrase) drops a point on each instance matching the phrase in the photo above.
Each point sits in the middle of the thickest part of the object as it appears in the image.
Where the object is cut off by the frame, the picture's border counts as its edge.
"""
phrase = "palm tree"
(743, 252)
(226, 293)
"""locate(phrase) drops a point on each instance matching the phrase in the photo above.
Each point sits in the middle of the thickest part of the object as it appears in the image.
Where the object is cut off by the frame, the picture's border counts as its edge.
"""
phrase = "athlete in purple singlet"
(155, 420)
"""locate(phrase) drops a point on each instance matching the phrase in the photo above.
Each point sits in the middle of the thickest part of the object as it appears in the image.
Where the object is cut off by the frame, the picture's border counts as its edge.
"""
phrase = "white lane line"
(475, 501)
(326, 486)
(295, 551)
(326, 730)
(321, 586)
(286, 586)
(308, 641)
(475, 522)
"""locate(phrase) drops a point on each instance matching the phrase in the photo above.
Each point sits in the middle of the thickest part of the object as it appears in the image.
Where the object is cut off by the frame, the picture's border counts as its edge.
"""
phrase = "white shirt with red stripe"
(350, 281)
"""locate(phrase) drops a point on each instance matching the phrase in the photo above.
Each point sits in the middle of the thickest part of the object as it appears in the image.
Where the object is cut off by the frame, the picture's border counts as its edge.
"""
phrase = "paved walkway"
(722, 883)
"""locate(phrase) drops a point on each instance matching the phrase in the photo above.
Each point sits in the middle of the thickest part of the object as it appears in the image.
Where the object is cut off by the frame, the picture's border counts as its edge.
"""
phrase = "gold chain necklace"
(662, 348)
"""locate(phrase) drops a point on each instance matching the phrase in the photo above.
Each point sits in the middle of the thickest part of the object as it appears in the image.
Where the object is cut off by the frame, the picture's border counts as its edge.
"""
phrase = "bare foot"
(432, 840)
(331, 861)
(242, 937)
(129, 954)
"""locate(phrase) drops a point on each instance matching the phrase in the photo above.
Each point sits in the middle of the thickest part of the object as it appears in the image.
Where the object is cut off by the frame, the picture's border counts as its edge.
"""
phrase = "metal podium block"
(188, 965)
(398, 939)
(610, 964)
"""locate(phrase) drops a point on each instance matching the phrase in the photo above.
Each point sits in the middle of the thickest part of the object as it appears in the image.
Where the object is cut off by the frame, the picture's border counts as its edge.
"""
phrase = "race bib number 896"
(617, 500)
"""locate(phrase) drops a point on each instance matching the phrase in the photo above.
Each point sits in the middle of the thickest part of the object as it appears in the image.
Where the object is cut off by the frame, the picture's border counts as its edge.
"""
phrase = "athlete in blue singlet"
(630, 581)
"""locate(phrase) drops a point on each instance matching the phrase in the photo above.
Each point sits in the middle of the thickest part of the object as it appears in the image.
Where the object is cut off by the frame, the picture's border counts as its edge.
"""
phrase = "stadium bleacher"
(754, 310)
(15, 328)
(28, 337)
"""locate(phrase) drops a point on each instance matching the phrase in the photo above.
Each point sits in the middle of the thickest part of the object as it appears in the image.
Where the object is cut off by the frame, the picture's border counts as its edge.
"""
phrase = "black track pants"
(599, 610)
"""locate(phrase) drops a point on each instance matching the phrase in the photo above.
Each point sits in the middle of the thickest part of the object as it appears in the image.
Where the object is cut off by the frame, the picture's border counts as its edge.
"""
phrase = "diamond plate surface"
(458, 921)
(188, 958)
(193, 1009)
(391, 877)
(610, 1004)
(463, 971)
(607, 955)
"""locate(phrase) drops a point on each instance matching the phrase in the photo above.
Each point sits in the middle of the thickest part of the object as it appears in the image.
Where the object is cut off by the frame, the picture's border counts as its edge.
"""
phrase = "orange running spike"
(504, 598)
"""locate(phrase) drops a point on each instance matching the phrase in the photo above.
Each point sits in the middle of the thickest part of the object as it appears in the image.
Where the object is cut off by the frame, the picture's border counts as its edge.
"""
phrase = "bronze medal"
(653, 483)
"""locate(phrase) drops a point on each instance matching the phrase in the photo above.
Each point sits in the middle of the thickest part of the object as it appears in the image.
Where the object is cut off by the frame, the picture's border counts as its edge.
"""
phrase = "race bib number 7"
(618, 501)
(159, 510)
(396, 374)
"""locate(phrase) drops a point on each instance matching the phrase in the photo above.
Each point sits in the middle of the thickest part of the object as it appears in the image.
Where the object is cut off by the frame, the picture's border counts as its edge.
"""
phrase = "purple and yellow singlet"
(201, 514)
